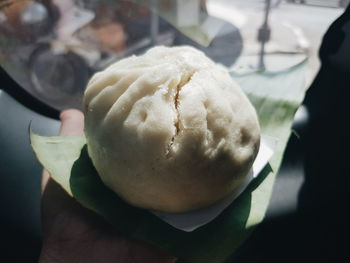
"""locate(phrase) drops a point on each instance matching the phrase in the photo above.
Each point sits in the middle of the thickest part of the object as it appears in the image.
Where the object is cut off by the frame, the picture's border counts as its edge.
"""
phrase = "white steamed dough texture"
(170, 130)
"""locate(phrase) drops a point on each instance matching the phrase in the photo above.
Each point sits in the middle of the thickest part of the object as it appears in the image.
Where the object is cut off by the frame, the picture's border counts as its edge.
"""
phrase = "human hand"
(73, 234)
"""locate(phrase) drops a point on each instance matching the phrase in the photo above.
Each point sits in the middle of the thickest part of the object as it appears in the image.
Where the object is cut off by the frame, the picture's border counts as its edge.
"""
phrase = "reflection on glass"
(52, 47)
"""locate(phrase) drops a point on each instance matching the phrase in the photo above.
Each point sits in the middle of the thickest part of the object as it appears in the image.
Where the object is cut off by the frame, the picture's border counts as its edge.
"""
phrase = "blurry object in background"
(57, 76)
(86, 36)
(107, 28)
(53, 61)
(72, 17)
(327, 3)
(341, 59)
(225, 48)
(296, 32)
(59, 67)
(187, 12)
(111, 37)
(264, 34)
(27, 20)
(324, 196)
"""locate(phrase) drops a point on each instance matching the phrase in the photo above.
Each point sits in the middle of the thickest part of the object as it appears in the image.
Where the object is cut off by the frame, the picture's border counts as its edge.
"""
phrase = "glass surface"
(52, 47)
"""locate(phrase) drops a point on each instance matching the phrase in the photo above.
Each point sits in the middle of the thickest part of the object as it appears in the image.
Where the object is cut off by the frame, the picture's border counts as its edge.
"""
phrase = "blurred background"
(50, 48)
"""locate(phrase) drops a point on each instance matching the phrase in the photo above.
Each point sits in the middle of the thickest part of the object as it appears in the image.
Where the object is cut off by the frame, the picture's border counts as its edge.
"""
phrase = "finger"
(72, 122)
(44, 180)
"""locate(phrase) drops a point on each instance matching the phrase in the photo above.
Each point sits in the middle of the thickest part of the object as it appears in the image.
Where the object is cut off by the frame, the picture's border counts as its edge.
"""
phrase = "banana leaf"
(276, 97)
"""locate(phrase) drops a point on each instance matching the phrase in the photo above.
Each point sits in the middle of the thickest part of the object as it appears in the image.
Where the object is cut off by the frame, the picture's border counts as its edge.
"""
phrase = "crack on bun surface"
(170, 130)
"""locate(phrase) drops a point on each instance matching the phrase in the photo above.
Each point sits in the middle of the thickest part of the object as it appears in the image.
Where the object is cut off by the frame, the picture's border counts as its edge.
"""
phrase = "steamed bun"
(170, 130)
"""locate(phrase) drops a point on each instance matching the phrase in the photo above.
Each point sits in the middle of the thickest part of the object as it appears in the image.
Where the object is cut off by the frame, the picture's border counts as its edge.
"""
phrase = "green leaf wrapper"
(276, 97)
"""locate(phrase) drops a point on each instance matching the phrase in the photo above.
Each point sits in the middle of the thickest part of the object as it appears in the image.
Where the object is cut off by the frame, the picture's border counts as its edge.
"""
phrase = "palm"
(73, 234)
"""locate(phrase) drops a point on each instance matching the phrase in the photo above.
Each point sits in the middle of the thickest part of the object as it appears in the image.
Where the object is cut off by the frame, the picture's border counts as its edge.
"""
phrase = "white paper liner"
(190, 221)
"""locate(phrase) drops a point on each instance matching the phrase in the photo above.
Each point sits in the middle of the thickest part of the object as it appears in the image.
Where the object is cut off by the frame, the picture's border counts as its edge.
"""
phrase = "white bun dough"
(170, 130)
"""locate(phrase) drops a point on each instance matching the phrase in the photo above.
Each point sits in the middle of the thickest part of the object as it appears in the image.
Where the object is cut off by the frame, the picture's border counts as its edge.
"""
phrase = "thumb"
(72, 122)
